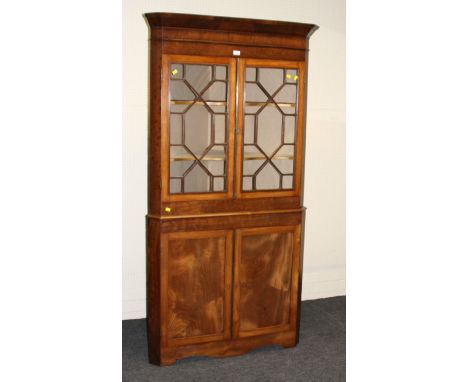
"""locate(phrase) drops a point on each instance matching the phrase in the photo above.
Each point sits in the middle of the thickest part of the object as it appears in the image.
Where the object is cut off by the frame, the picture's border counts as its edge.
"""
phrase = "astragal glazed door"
(209, 109)
(198, 123)
(269, 143)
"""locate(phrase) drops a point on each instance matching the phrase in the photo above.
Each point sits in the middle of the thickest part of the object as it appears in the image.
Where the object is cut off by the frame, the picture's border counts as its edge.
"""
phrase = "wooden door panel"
(196, 286)
(266, 272)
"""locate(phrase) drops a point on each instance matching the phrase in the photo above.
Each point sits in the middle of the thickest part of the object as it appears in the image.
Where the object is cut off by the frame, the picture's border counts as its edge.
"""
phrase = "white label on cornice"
(236, 52)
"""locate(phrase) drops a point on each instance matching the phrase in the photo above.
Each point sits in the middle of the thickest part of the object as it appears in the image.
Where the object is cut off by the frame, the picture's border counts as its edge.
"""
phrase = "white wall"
(324, 248)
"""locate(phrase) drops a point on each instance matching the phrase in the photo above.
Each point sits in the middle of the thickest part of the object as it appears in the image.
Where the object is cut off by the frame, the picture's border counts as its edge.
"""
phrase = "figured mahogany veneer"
(223, 285)
(197, 281)
(266, 259)
(224, 267)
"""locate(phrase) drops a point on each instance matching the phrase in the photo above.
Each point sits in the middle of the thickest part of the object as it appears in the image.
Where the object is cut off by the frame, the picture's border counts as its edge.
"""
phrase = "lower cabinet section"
(223, 292)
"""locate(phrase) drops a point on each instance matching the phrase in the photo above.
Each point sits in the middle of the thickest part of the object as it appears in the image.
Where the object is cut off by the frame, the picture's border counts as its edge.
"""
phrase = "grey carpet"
(319, 356)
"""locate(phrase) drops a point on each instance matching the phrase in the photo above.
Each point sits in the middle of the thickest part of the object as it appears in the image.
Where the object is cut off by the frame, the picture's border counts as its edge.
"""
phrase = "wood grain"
(234, 38)
(263, 279)
(230, 222)
(226, 348)
(197, 297)
(209, 49)
(153, 288)
(154, 127)
(202, 207)
(229, 24)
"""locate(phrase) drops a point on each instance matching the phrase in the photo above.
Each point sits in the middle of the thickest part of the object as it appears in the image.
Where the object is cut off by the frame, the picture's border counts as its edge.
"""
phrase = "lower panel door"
(196, 273)
(266, 268)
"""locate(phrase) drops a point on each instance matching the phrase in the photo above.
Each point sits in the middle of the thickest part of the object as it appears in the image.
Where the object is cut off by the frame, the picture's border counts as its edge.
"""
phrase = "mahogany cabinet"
(227, 103)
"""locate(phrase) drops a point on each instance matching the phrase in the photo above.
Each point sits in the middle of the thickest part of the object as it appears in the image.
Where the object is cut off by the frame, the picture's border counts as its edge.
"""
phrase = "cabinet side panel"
(154, 136)
(153, 288)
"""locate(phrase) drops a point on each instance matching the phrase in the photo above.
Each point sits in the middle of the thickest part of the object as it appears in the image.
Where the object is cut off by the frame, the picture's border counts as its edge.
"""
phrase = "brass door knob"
(167, 209)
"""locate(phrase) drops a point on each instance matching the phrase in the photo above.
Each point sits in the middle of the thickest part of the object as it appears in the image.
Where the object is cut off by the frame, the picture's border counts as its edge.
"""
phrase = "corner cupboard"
(225, 218)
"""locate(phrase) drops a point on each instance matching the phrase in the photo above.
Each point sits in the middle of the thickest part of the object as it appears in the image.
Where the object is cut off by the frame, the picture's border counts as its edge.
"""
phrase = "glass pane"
(251, 166)
(285, 166)
(247, 183)
(182, 96)
(253, 159)
(254, 97)
(179, 153)
(216, 153)
(286, 94)
(251, 152)
(249, 125)
(271, 79)
(270, 110)
(291, 75)
(197, 180)
(177, 71)
(285, 152)
(175, 134)
(268, 178)
(197, 128)
(250, 74)
(215, 167)
(215, 161)
(181, 161)
(270, 122)
(218, 184)
(221, 72)
(175, 186)
(216, 92)
(289, 129)
(198, 76)
(287, 182)
(220, 128)
(217, 108)
(179, 167)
